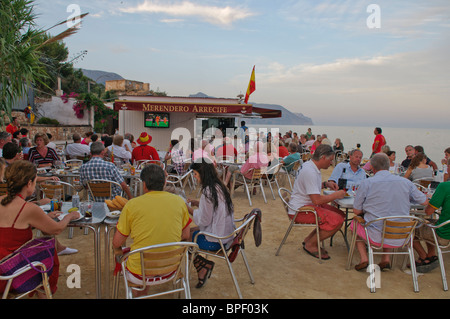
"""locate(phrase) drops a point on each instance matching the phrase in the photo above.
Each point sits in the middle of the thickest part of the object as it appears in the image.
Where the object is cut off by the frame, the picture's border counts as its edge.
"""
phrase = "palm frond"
(81, 16)
(66, 33)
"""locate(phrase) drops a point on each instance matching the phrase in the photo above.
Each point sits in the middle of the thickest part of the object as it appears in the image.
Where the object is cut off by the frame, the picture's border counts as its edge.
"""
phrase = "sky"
(342, 62)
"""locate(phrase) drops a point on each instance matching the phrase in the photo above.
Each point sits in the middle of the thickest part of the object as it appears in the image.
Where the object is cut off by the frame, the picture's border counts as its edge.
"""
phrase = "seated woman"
(120, 151)
(418, 168)
(19, 216)
(393, 166)
(215, 214)
(294, 156)
(41, 155)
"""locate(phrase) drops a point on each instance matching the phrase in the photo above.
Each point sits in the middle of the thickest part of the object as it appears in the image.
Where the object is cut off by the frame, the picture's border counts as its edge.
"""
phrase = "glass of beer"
(86, 208)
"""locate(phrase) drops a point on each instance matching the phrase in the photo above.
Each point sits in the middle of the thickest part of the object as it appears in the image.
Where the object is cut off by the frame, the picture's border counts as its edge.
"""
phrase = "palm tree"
(20, 63)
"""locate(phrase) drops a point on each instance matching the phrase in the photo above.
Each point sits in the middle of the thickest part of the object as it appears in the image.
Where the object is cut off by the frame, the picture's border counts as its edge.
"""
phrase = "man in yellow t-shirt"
(156, 217)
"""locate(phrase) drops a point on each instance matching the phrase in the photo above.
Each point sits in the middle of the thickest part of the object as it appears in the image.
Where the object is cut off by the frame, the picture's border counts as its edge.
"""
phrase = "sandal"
(202, 263)
(384, 265)
(361, 266)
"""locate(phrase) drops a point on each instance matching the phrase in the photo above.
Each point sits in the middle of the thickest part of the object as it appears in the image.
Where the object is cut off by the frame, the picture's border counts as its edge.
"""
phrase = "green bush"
(47, 120)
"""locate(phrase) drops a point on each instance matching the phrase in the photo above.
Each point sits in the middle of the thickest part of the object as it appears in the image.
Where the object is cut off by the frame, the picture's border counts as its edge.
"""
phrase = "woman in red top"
(19, 216)
(144, 151)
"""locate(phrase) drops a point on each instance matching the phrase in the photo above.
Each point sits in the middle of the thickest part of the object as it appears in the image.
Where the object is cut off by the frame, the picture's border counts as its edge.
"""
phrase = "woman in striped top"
(41, 155)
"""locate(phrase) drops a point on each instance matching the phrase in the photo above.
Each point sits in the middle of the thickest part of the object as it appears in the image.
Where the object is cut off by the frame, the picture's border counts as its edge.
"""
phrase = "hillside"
(287, 117)
(101, 76)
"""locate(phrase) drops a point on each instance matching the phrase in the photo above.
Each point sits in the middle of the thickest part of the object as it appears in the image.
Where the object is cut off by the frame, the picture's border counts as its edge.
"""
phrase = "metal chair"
(73, 163)
(179, 182)
(340, 157)
(99, 189)
(50, 188)
(142, 163)
(160, 264)
(425, 182)
(239, 234)
(285, 196)
(439, 250)
(45, 284)
(241, 180)
(271, 177)
(393, 227)
(293, 172)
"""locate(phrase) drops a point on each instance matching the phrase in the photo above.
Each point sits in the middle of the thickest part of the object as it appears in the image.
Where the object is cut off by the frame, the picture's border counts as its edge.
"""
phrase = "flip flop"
(316, 254)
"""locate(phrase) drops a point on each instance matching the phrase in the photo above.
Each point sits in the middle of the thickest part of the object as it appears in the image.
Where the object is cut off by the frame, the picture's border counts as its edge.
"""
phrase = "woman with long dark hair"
(215, 214)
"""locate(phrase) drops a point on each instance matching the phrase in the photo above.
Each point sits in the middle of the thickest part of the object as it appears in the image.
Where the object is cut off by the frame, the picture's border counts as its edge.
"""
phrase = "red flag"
(251, 86)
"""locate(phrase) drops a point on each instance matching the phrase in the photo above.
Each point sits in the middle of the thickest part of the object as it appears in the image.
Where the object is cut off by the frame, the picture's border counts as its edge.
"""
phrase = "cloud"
(221, 16)
(403, 87)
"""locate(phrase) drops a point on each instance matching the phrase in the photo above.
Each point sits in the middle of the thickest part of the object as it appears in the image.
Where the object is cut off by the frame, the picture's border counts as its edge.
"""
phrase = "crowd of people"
(382, 188)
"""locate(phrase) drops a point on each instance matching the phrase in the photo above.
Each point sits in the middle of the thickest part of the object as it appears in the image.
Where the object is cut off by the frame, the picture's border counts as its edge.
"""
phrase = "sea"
(433, 140)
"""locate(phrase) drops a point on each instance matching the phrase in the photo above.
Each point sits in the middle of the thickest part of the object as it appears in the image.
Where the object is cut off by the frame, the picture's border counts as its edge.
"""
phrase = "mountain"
(101, 76)
(287, 117)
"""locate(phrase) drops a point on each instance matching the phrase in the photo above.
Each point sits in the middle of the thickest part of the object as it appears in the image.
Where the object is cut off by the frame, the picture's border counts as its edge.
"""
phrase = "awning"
(199, 108)
(266, 113)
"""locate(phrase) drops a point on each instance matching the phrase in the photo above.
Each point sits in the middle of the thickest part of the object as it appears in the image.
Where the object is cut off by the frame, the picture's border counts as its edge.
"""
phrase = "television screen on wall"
(156, 120)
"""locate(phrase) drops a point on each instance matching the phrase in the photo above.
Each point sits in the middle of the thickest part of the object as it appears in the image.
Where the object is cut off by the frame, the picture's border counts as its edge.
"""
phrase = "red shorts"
(329, 217)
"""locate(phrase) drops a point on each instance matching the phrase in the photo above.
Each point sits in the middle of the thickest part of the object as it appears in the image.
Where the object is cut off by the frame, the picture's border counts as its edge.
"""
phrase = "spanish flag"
(251, 86)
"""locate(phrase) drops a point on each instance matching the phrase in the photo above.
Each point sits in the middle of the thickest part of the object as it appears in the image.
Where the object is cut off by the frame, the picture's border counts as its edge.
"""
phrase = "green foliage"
(23, 49)
(47, 120)
(20, 65)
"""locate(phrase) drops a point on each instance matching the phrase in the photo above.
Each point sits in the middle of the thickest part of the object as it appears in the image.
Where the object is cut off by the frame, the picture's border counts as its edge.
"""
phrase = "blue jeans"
(204, 244)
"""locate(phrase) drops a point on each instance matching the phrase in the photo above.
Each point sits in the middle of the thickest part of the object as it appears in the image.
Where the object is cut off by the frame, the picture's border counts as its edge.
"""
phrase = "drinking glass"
(86, 209)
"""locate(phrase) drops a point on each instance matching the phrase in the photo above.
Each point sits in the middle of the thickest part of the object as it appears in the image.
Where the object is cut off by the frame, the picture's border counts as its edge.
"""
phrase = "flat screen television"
(157, 120)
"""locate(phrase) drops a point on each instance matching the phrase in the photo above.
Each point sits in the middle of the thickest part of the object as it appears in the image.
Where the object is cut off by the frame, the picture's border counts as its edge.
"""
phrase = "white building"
(181, 118)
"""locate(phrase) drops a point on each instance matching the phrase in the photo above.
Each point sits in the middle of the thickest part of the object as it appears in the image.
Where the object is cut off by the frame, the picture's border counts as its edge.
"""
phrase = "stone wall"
(60, 133)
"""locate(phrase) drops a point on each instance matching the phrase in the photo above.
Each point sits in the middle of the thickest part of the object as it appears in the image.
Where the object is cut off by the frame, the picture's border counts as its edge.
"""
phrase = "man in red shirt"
(13, 126)
(144, 151)
(378, 142)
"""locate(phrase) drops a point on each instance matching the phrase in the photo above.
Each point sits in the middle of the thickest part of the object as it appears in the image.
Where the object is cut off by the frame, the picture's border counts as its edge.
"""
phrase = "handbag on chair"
(39, 249)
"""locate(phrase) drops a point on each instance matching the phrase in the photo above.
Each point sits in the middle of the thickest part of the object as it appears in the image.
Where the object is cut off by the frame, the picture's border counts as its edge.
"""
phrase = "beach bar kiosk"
(182, 118)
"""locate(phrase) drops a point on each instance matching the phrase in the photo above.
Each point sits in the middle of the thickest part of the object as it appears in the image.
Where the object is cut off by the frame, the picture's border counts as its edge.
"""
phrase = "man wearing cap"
(144, 151)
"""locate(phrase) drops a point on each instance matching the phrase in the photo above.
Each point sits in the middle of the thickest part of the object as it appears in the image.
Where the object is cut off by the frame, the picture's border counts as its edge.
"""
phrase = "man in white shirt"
(307, 192)
(76, 149)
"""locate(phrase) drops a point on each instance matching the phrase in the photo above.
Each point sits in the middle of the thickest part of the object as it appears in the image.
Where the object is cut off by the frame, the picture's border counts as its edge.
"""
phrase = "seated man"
(156, 217)
(282, 150)
(97, 168)
(307, 192)
(294, 156)
(144, 151)
(225, 150)
(258, 160)
(383, 195)
(351, 171)
(76, 149)
(410, 152)
(441, 199)
(176, 155)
